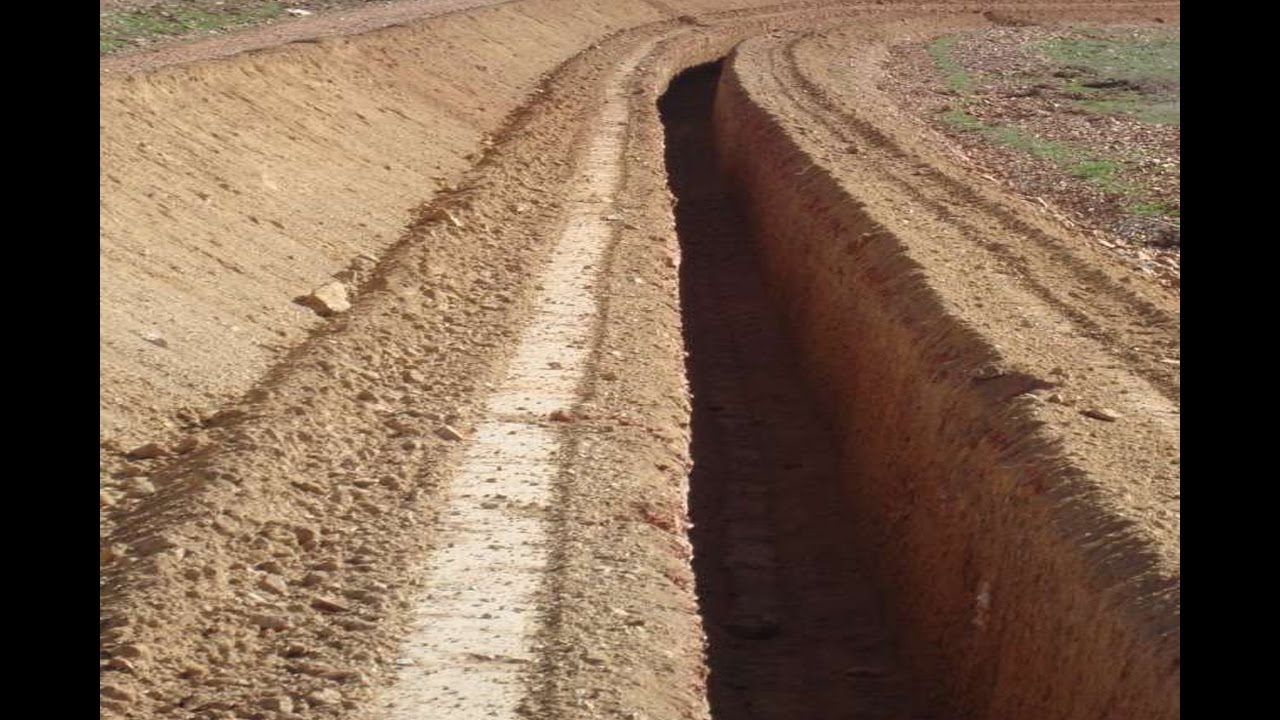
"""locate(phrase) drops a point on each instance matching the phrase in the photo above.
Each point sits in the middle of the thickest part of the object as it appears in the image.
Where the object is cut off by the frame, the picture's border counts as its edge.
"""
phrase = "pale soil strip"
(479, 615)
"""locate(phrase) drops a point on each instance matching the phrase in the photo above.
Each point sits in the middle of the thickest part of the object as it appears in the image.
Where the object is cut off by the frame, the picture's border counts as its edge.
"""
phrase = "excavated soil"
(737, 400)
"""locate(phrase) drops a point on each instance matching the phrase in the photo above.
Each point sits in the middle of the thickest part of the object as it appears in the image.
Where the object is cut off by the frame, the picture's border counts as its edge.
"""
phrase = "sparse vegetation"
(1131, 72)
(119, 29)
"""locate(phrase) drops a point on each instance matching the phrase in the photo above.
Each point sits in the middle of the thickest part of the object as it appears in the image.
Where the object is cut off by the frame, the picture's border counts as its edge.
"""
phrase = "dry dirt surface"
(475, 360)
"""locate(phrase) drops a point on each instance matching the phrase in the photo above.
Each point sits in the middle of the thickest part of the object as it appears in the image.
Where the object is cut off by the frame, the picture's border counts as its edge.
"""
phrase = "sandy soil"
(278, 489)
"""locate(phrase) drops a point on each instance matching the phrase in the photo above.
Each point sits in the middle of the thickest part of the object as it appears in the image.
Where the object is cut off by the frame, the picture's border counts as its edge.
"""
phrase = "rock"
(186, 445)
(560, 416)
(150, 451)
(1057, 399)
(106, 499)
(329, 605)
(279, 703)
(306, 535)
(120, 665)
(115, 692)
(413, 377)
(274, 584)
(358, 624)
(366, 395)
(296, 12)
(327, 696)
(139, 487)
(326, 300)
(155, 338)
(154, 544)
(447, 432)
(268, 621)
(1106, 414)
(133, 651)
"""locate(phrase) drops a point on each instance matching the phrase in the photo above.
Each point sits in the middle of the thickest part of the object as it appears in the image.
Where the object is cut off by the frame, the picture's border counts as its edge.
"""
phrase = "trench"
(794, 628)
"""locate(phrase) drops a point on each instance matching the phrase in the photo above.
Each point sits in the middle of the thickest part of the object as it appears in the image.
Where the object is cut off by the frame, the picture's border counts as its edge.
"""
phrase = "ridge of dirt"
(968, 278)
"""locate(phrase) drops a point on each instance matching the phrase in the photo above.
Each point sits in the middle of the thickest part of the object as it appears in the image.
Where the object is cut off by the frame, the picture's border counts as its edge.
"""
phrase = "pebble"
(139, 487)
(274, 584)
(270, 622)
(448, 432)
(327, 696)
(153, 544)
(1106, 414)
(326, 300)
(279, 703)
(115, 692)
(329, 605)
(149, 451)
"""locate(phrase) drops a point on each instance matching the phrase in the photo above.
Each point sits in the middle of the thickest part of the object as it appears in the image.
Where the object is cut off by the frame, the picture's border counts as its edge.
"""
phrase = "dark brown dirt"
(791, 619)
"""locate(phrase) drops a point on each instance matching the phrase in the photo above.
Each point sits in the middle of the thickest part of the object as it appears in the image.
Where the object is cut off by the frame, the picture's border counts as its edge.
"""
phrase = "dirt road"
(735, 401)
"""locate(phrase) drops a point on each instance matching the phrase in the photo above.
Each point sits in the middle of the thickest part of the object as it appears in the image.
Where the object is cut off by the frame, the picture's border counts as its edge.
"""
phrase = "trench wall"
(1017, 594)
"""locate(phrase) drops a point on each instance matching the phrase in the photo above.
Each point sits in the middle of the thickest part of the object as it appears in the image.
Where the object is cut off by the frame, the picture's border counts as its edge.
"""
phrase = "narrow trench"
(793, 627)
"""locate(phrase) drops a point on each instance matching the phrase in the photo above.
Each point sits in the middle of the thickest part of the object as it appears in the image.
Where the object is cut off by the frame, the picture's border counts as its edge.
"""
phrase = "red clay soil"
(271, 480)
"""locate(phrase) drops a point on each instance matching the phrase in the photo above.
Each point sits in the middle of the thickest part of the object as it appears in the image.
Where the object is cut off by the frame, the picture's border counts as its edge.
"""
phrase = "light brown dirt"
(273, 570)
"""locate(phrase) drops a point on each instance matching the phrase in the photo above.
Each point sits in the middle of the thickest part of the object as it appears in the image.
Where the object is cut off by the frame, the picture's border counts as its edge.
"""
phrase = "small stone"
(269, 622)
(312, 579)
(115, 692)
(133, 651)
(186, 445)
(119, 664)
(1106, 414)
(327, 696)
(193, 671)
(279, 703)
(106, 499)
(329, 605)
(306, 535)
(448, 432)
(413, 377)
(139, 487)
(367, 396)
(326, 300)
(150, 451)
(153, 544)
(1057, 399)
(155, 338)
(274, 584)
(560, 416)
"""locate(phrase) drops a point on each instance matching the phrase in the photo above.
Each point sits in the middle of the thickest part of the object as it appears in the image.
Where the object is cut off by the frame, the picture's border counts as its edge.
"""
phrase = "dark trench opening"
(793, 626)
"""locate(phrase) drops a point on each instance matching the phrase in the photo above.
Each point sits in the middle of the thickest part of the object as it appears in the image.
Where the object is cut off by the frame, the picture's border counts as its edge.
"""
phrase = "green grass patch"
(953, 73)
(1100, 172)
(120, 29)
(1122, 74)
(1149, 61)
